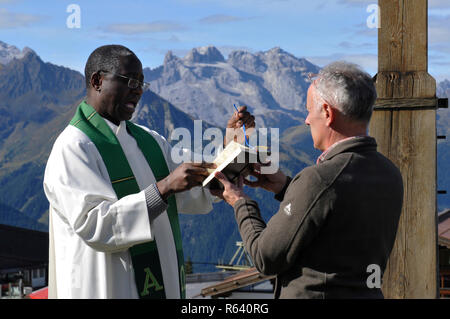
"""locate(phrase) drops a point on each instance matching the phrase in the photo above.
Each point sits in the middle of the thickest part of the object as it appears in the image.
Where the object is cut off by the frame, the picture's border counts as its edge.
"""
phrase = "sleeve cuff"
(155, 204)
(280, 196)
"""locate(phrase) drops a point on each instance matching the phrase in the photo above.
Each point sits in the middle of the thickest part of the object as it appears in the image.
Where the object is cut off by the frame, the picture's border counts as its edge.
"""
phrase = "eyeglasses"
(132, 83)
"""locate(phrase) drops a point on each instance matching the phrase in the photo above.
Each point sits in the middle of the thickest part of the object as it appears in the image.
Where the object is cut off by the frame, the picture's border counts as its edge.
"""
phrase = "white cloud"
(263, 6)
(357, 45)
(11, 20)
(219, 18)
(174, 38)
(438, 35)
(442, 48)
(438, 4)
(240, 2)
(439, 20)
(151, 27)
(356, 2)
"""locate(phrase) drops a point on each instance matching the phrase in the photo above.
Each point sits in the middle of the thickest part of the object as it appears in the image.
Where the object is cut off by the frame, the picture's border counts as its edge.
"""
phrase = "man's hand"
(183, 178)
(231, 193)
(272, 182)
(234, 130)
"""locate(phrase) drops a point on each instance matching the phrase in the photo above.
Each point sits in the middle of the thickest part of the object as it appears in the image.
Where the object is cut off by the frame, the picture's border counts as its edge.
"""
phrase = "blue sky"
(320, 30)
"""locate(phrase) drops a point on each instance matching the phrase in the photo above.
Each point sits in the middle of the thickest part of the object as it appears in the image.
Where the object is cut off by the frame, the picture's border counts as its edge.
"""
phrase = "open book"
(235, 160)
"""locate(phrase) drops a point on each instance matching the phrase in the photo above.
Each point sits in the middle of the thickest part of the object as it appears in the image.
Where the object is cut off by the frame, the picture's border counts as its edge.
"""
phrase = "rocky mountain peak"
(27, 50)
(169, 57)
(29, 81)
(278, 54)
(207, 54)
(10, 52)
(276, 50)
(272, 84)
(246, 61)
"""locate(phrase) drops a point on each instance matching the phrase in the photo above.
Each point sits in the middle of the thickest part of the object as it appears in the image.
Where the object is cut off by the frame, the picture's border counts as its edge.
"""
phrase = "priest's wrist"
(164, 188)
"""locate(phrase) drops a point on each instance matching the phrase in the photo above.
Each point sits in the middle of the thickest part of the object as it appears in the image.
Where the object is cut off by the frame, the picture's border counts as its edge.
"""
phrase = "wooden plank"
(390, 38)
(403, 36)
(417, 154)
(418, 103)
(408, 137)
(405, 85)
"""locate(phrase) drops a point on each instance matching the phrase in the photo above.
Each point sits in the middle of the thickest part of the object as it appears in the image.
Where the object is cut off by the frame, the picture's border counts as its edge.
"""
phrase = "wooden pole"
(404, 125)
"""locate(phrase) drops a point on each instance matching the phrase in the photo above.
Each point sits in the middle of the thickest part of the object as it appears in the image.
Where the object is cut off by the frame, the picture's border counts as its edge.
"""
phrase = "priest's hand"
(234, 131)
(183, 178)
(231, 192)
(271, 182)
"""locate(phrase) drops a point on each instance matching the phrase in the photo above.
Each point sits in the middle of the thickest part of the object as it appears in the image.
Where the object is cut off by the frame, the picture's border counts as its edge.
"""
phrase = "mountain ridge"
(272, 84)
(10, 52)
(26, 138)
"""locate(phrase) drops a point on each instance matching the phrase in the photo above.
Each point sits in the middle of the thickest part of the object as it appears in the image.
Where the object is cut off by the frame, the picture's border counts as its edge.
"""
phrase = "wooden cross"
(404, 125)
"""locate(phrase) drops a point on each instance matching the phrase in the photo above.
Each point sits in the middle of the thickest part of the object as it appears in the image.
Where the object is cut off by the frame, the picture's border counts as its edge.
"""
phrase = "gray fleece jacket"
(335, 219)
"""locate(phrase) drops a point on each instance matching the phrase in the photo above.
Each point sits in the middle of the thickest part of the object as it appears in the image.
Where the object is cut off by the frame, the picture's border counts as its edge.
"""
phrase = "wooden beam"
(414, 103)
(404, 125)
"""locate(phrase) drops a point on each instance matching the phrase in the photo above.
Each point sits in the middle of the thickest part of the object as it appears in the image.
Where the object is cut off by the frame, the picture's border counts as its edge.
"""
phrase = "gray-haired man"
(337, 219)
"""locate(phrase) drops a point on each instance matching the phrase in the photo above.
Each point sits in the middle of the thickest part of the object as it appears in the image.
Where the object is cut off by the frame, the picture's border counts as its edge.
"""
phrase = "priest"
(115, 193)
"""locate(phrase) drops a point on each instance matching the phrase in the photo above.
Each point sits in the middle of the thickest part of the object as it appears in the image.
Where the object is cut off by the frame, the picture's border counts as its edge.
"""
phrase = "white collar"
(117, 129)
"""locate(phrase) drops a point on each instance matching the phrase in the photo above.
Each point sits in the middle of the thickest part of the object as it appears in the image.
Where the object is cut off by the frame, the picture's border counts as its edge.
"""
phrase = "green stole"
(145, 258)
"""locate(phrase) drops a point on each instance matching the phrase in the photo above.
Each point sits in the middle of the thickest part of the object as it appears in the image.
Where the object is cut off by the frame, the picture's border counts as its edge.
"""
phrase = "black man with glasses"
(115, 193)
